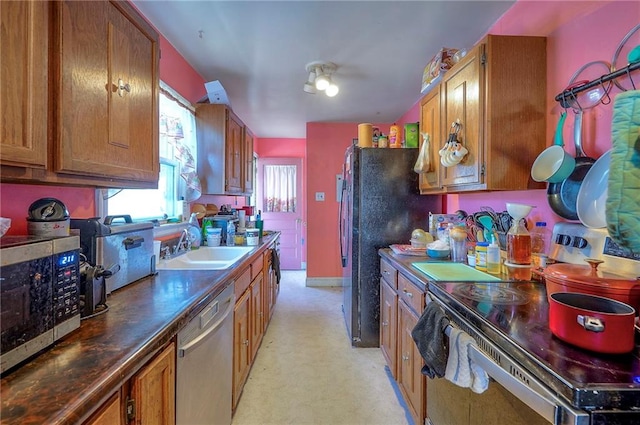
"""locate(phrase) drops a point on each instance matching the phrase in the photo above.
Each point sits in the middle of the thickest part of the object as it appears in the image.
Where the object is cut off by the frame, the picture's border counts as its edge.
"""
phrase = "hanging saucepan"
(563, 196)
(554, 164)
(595, 323)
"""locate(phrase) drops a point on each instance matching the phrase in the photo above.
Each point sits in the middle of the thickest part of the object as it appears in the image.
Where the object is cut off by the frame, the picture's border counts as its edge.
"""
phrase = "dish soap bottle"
(493, 257)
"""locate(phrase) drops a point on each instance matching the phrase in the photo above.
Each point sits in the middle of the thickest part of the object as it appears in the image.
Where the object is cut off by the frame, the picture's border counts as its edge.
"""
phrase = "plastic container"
(394, 137)
(214, 235)
(253, 237)
(493, 257)
(481, 255)
(539, 238)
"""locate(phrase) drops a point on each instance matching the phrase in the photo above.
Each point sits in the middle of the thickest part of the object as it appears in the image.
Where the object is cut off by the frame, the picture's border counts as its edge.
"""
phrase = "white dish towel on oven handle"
(461, 369)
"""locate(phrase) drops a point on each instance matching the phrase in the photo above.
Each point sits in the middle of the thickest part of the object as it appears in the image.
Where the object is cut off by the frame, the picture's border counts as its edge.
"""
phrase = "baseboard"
(323, 281)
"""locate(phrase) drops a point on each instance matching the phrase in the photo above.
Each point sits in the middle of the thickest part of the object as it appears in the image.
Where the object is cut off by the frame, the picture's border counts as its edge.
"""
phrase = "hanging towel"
(275, 263)
(461, 369)
(429, 339)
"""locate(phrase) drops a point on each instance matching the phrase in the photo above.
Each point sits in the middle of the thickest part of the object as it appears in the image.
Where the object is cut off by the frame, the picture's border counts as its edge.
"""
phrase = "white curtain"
(280, 188)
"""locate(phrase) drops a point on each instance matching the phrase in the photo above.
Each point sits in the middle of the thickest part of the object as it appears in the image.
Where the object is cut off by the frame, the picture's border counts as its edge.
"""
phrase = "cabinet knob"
(405, 357)
(246, 342)
(123, 87)
(407, 293)
(385, 323)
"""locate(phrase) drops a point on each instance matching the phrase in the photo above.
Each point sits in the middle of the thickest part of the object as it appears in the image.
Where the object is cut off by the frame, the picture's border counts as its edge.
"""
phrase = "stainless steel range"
(562, 384)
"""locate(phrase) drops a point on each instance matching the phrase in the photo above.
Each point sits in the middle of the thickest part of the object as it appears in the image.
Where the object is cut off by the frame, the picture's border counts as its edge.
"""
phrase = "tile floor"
(306, 372)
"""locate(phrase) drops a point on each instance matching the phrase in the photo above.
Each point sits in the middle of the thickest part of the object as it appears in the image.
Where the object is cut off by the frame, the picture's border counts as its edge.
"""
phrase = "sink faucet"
(185, 239)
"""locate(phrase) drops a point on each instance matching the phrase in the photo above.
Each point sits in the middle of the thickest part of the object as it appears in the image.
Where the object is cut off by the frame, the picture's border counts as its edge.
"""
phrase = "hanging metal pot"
(594, 323)
(563, 196)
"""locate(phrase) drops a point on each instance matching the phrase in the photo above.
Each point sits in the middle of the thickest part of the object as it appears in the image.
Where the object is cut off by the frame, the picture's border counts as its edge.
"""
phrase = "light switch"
(319, 196)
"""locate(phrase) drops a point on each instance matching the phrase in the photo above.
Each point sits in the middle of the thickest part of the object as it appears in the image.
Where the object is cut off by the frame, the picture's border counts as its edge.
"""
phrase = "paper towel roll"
(365, 135)
(242, 216)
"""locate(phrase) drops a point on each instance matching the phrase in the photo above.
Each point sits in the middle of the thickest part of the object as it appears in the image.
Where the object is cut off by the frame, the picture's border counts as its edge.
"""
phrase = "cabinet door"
(241, 349)
(23, 83)
(154, 390)
(431, 182)
(234, 140)
(106, 110)
(412, 382)
(389, 325)
(256, 314)
(247, 184)
(109, 414)
(462, 97)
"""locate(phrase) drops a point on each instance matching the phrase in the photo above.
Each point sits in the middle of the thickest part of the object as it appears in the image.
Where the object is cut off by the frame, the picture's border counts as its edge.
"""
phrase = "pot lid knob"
(594, 263)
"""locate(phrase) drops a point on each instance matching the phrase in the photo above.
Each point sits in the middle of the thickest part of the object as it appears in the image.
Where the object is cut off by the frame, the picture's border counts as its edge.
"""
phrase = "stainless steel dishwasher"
(205, 365)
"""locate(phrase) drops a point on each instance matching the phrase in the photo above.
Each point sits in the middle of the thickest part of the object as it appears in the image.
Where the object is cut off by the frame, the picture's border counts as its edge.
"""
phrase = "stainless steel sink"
(206, 258)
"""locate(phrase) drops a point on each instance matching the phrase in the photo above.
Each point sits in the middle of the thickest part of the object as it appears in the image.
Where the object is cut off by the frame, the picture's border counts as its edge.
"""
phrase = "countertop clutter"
(67, 382)
(512, 318)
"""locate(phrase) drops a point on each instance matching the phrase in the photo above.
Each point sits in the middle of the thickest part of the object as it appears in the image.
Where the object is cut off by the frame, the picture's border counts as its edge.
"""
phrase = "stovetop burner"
(492, 293)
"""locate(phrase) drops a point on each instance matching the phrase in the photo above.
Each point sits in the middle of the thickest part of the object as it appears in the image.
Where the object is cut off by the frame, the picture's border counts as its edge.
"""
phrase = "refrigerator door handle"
(343, 198)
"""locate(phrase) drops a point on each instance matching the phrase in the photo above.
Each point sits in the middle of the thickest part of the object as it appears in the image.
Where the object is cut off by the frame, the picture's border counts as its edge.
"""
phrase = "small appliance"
(39, 294)
(124, 247)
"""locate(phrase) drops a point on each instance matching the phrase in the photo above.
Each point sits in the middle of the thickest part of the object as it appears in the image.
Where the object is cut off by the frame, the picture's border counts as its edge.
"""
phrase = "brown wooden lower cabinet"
(399, 312)
(241, 349)
(148, 398)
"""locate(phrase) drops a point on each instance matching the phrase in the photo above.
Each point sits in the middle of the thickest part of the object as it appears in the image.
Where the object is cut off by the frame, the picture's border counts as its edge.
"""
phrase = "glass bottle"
(518, 243)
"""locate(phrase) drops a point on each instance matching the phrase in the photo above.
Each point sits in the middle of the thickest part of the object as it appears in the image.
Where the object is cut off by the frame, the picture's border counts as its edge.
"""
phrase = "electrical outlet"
(319, 196)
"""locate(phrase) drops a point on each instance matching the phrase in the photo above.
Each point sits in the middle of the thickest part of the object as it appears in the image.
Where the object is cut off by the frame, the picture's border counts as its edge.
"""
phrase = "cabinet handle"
(246, 342)
(385, 323)
(405, 357)
(123, 87)
(407, 293)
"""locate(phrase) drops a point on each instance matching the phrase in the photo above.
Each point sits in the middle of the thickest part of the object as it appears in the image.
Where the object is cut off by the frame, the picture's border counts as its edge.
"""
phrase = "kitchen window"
(178, 180)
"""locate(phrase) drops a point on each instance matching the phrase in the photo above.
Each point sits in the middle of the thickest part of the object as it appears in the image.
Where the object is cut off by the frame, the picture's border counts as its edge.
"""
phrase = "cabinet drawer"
(389, 273)
(411, 294)
(256, 267)
(243, 282)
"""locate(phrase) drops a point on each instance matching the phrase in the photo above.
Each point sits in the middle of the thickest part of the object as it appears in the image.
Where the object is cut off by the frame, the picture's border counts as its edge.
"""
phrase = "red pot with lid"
(594, 323)
(587, 279)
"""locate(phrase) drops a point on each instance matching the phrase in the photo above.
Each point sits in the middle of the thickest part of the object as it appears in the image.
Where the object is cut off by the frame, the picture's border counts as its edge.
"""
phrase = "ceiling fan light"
(322, 82)
(309, 88)
(332, 90)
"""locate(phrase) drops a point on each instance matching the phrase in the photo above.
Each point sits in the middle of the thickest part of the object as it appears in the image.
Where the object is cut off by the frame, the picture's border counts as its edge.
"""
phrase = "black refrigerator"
(380, 205)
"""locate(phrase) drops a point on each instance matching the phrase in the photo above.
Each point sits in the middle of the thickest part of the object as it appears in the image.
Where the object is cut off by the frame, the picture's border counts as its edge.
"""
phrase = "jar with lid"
(518, 243)
(539, 238)
(481, 255)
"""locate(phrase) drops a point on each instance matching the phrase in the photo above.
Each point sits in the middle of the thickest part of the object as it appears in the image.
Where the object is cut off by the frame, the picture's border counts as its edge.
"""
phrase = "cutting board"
(453, 272)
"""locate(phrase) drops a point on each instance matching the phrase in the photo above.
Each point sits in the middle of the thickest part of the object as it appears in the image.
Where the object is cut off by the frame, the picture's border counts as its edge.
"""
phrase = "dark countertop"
(585, 379)
(69, 380)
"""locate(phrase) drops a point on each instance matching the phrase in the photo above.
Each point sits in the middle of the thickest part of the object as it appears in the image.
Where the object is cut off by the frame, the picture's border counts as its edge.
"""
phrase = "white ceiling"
(258, 51)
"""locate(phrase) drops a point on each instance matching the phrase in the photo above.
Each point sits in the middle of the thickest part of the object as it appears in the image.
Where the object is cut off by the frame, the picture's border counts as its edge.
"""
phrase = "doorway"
(280, 197)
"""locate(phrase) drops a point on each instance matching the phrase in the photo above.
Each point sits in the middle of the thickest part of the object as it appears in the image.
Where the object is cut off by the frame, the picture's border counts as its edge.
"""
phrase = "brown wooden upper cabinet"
(23, 83)
(223, 151)
(498, 94)
(99, 104)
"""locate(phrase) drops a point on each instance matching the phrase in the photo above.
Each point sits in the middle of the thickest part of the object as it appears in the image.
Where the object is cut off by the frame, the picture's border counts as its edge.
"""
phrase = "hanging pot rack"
(566, 95)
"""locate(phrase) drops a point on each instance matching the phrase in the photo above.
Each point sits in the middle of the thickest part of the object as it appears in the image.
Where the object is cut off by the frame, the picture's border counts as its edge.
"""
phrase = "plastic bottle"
(195, 232)
(539, 238)
(493, 257)
(231, 233)
(481, 255)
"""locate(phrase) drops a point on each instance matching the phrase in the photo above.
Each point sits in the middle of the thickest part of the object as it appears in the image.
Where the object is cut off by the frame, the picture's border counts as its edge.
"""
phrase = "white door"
(289, 223)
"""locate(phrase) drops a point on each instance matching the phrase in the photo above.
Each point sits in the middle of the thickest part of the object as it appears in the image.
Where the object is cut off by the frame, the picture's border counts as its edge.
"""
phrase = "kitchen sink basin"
(206, 258)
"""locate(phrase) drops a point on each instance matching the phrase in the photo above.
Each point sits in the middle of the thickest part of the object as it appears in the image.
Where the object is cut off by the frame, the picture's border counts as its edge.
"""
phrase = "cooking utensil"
(595, 323)
(587, 279)
(562, 196)
(48, 209)
(592, 196)
(620, 57)
(554, 164)
(593, 96)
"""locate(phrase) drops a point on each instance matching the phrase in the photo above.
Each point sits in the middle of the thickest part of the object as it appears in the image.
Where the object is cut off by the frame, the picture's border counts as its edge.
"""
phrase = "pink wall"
(577, 33)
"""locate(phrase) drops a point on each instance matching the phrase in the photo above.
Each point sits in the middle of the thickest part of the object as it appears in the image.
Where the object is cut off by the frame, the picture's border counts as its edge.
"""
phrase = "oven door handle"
(546, 404)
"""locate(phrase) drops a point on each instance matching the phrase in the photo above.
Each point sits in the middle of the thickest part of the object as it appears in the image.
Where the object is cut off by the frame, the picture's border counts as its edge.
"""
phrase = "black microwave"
(39, 294)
